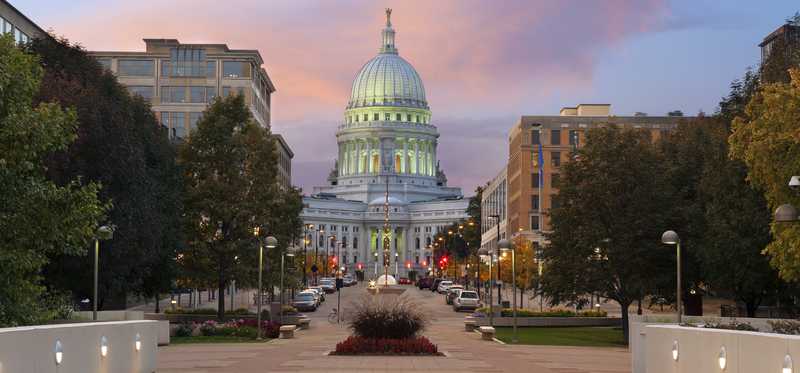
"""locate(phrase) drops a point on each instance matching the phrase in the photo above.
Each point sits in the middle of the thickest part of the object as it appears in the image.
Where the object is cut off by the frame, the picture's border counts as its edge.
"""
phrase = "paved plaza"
(465, 352)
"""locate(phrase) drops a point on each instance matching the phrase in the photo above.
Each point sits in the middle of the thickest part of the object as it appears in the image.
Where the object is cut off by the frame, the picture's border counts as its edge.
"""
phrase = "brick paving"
(465, 352)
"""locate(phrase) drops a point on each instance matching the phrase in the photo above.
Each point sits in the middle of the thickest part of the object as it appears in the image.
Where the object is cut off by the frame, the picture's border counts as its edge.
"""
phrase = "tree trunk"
(625, 328)
(221, 297)
(157, 303)
(639, 306)
(751, 307)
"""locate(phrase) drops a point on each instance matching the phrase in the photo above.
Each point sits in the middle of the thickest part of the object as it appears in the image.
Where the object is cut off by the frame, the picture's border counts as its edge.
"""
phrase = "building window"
(175, 95)
(355, 229)
(344, 242)
(555, 180)
(355, 242)
(408, 117)
(416, 259)
(555, 159)
(355, 258)
(175, 124)
(201, 94)
(366, 117)
(387, 117)
(146, 91)
(194, 117)
(555, 137)
(211, 69)
(535, 202)
(427, 259)
(535, 137)
(535, 222)
(135, 67)
(416, 243)
(398, 117)
(227, 91)
(427, 241)
(573, 137)
(235, 69)
(344, 228)
(105, 63)
(417, 119)
(534, 180)
(376, 117)
(333, 228)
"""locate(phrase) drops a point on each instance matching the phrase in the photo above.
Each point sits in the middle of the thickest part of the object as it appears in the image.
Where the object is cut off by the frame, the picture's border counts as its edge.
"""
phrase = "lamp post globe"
(672, 238)
(271, 242)
(785, 213)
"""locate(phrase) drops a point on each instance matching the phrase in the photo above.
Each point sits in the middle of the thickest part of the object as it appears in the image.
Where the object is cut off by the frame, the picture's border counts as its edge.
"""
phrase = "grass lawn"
(214, 339)
(565, 336)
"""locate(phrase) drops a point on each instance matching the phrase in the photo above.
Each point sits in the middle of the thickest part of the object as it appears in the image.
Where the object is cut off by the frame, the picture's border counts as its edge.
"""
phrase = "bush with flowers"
(242, 328)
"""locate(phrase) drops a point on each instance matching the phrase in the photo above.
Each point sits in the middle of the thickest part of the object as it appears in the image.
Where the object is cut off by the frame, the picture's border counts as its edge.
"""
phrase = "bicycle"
(333, 317)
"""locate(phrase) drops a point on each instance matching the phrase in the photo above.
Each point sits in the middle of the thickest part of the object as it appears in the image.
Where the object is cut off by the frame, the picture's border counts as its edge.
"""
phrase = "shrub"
(785, 326)
(184, 330)
(206, 311)
(208, 328)
(733, 325)
(289, 310)
(355, 345)
(508, 312)
(393, 318)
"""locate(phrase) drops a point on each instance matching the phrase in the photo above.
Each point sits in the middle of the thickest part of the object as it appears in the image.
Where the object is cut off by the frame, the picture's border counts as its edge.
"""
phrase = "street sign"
(314, 268)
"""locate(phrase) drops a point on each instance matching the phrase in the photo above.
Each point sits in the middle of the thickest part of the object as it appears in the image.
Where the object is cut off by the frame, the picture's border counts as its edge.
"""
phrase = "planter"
(360, 346)
(550, 321)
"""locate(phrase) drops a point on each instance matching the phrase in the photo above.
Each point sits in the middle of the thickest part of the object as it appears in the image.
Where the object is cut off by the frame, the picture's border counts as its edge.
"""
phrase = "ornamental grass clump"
(387, 318)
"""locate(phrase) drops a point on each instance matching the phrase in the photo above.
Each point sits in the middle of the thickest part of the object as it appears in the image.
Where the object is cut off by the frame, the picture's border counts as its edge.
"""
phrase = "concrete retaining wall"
(699, 350)
(32, 349)
(551, 321)
(639, 332)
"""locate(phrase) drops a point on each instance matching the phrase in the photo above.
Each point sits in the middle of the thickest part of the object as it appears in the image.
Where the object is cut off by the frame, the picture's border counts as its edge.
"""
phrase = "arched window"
(344, 242)
(397, 163)
(355, 243)
(417, 243)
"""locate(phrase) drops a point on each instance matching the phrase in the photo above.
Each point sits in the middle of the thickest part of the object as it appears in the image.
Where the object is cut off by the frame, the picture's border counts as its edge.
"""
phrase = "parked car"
(328, 286)
(451, 293)
(424, 283)
(305, 301)
(319, 291)
(404, 281)
(315, 294)
(443, 286)
(349, 280)
(466, 300)
(435, 284)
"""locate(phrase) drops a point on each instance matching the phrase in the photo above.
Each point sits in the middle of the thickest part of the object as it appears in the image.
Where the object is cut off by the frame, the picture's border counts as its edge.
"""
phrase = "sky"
(484, 63)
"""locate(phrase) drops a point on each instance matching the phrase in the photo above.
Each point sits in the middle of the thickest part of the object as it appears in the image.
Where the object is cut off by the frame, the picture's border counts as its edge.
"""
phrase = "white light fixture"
(137, 342)
(103, 346)
(787, 364)
(723, 358)
(59, 352)
(675, 350)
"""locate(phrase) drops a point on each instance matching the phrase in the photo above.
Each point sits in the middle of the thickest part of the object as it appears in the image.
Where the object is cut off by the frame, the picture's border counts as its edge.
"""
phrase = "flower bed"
(242, 328)
(354, 345)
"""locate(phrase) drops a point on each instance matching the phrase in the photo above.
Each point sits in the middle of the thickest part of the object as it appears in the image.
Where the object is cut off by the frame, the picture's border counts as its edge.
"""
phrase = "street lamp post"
(290, 253)
(505, 245)
(305, 252)
(103, 233)
(271, 244)
(396, 268)
(499, 287)
(486, 253)
(671, 238)
(376, 263)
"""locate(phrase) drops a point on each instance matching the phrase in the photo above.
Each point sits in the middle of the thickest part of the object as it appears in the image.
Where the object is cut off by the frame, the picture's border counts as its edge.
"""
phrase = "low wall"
(32, 349)
(699, 350)
(639, 329)
(109, 315)
(551, 321)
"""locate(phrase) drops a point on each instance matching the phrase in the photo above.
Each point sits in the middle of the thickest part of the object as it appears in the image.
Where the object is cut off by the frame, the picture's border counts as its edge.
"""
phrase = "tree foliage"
(38, 217)
(229, 169)
(767, 138)
(121, 145)
(614, 204)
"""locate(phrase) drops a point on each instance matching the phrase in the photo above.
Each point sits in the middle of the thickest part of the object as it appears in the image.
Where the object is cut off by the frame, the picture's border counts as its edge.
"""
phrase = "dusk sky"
(483, 63)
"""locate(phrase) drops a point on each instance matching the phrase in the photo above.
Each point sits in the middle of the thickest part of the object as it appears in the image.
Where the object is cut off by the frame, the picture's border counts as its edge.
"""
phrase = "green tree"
(121, 145)
(229, 166)
(614, 204)
(38, 217)
(765, 138)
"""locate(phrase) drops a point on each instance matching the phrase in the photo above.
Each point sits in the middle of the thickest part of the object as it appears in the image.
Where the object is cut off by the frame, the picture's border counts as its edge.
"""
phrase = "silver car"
(466, 300)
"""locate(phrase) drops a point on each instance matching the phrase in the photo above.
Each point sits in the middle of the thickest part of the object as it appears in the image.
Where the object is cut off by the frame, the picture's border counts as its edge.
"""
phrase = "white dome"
(385, 280)
(387, 80)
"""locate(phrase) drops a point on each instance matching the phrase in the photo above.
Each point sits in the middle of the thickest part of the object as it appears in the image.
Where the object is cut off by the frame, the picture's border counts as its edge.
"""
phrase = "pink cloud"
(487, 59)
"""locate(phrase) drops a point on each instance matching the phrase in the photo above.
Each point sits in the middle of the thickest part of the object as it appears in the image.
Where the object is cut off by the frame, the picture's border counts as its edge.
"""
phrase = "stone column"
(341, 161)
(433, 158)
(406, 168)
(358, 157)
(416, 156)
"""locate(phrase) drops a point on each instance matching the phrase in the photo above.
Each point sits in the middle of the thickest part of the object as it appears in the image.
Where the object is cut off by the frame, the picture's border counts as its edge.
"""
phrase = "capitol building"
(387, 153)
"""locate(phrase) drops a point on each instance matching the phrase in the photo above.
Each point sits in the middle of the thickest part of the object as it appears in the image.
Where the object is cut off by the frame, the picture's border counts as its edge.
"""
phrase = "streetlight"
(376, 263)
(271, 244)
(396, 272)
(290, 253)
(103, 233)
(505, 246)
(671, 238)
(305, 252)
(499, 288)
(486, 253)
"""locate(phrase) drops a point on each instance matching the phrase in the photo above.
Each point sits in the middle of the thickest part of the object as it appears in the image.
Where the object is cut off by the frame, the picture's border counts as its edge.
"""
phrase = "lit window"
(235, 69)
